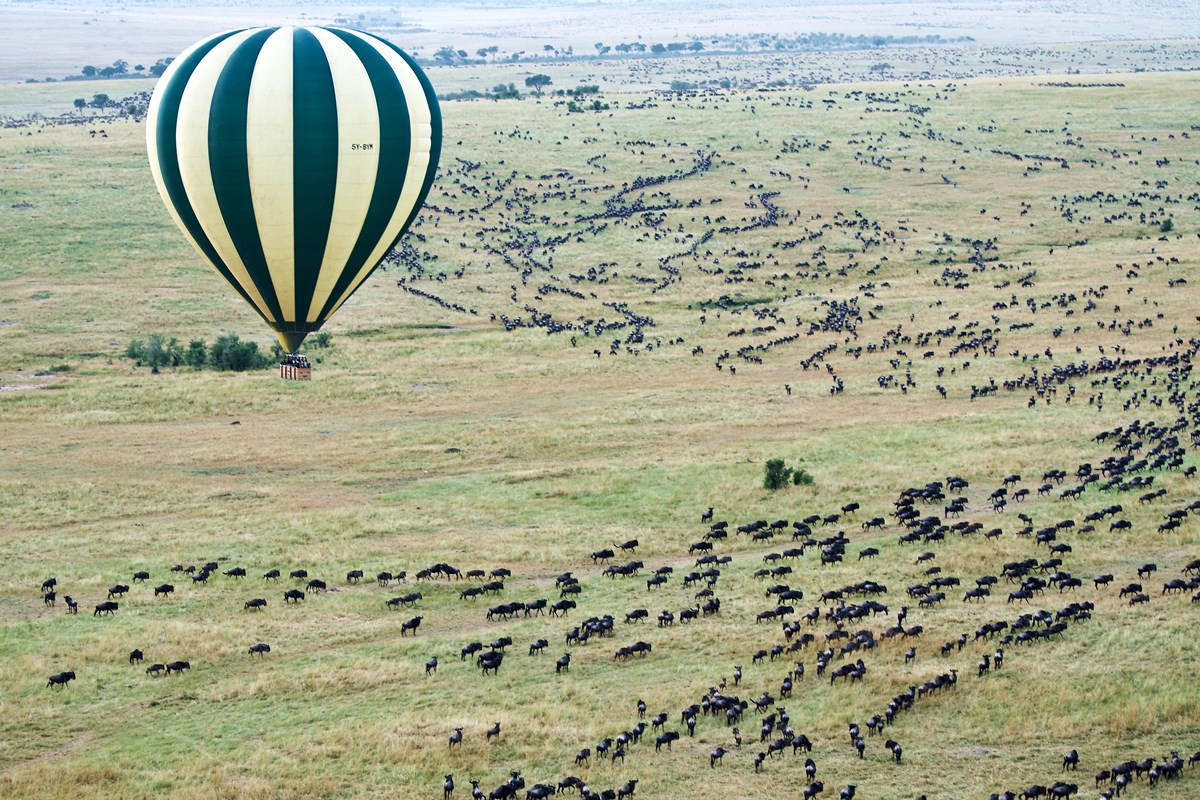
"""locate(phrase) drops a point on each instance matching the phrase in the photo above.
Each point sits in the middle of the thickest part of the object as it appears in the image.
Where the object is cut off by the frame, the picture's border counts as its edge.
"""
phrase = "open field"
(586, 339)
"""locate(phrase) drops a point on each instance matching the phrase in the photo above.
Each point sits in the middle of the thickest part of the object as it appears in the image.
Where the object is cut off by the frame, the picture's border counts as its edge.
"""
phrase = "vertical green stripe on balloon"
(315, 164)
(229, 167)
(395, 142)
(435, 136)
(167, 111)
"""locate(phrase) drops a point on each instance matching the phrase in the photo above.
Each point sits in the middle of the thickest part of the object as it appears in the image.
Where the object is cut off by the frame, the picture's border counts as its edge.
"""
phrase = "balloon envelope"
(294, 159)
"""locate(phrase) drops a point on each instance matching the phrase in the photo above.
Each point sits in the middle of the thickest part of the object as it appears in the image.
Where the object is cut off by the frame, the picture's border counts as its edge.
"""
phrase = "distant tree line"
(727, 43)
(118, 69)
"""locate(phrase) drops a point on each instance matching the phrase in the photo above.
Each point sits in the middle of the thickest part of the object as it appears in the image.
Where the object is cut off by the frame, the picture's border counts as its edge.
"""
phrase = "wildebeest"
(261, 648)
(456, 737)
(177, 666)
(107, 607)
(140, 576)
(410, 625)
(431, 665)
(235, 572)
(135, 656)
(155, 669)
(118, 590)
(163, 590)
(254, 604)
(492, 731)
(60, 679)
(1070, 760)
(293, 596)
(491, 661)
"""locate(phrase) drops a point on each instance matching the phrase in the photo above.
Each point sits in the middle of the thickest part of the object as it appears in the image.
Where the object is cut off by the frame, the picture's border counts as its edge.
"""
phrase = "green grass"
(430, 435)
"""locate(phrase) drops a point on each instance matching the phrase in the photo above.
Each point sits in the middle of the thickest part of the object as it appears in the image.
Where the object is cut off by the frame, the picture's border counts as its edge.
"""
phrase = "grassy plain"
(430, 434)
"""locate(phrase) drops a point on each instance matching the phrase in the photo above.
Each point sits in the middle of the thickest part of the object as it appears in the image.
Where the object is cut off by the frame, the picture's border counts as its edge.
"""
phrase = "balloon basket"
(295, 368)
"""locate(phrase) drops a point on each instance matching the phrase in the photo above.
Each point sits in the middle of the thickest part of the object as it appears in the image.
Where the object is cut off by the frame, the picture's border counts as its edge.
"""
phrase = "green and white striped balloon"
(294, 159)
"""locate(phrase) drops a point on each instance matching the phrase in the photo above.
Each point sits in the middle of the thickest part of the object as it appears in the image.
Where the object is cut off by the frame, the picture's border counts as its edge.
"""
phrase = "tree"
(80, 104)
(160, 66)
(776, 475)
(139, 68)
(658, 48)
(197, 354)
(482, 52)
(1167, 225)
(538, 82)
(446, 55)
(156, 352)
(230, 353)
(89, 71)
(100, 100)
(492, 51)
(120, 66)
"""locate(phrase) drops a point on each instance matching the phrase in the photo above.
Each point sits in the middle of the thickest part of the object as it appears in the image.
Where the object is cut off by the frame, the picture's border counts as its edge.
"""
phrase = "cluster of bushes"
(228, 353)
(778, 475)
(500, 91)
(578, 108)
(579, 91)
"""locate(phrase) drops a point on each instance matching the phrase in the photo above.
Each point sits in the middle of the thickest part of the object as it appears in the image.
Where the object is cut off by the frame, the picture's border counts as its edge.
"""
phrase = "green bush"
(197, 354)
(227, 353)
(777, 474)
(231, 354)
(156, 352)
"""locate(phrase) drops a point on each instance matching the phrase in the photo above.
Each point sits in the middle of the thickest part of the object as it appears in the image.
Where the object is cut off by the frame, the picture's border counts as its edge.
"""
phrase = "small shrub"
(801, 477)
(776, 475)
(197, 354)
(1167, 225)
(231, 354)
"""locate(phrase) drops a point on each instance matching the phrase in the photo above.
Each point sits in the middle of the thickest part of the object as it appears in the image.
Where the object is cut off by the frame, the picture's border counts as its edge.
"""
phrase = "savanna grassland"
(605, 322)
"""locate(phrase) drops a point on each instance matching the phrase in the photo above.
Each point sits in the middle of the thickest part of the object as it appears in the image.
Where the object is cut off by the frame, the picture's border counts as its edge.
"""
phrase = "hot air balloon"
(294, 159)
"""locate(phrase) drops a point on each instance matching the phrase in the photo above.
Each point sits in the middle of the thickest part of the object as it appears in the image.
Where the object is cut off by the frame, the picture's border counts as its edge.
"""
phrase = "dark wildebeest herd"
(848, 631)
